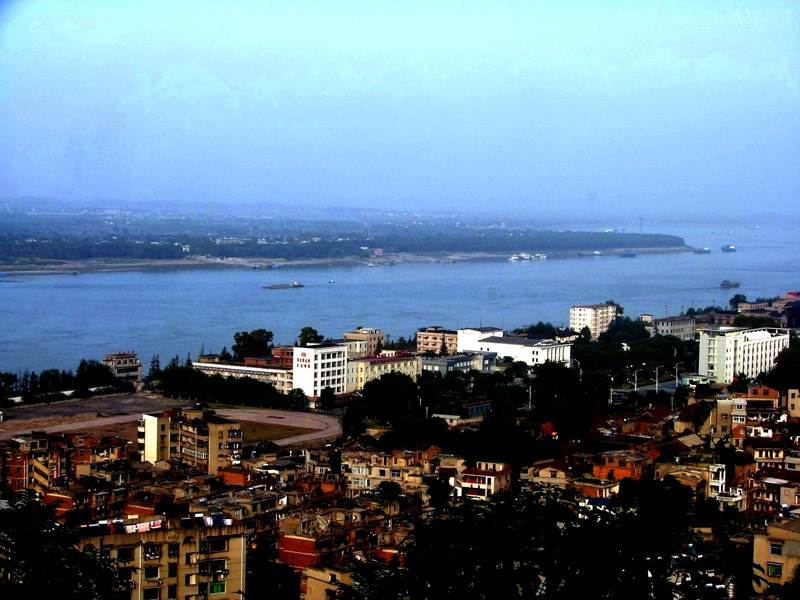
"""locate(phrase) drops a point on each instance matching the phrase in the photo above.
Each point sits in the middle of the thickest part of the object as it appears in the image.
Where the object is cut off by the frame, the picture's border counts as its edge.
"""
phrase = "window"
(173, 550)
(382, 472)
(152, 593)
(125, 554)
(152, 551)
(395, 472)
(217, 587)
(151, 572)
(172, 569)
(190, 579)
(725, 417)
(776, 548)
(214, 545)
(172, 591)
(553, 474)
(774, 570)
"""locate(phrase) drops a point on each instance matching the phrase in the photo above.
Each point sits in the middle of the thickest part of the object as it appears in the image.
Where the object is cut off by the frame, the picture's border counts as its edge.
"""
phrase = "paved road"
(124, 409)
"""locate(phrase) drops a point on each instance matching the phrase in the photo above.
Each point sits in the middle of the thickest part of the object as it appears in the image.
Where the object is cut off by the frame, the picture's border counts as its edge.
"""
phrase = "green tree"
(309, 335)
(39, 558)
(297, 400)
(251, 343)
(620, 310)
(740, 383)
(752, 321)
(327, 399)
(389, 492)
(736, 300)
(443, 348)
(155, 368)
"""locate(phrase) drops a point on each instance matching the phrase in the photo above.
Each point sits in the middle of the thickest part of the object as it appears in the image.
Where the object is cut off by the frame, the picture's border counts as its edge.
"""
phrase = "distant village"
(193, 509)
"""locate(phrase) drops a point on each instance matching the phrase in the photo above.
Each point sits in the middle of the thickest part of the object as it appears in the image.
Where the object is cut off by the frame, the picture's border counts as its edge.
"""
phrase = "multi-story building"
(530, 351)
(196, 437)
(463, 362)
(276, 369)
(311, 368)
(360, 371)
(681, 327)
(725, 352)
(469, 337)
(364, 471)
(434, 338)
(597, 317)
(167, 559)
(318, 366)
(483, 480)
(124, 365)
(371, 335)
(777, 552)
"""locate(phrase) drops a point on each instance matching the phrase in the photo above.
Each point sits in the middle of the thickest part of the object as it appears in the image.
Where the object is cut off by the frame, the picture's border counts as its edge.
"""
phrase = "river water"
(52, 321)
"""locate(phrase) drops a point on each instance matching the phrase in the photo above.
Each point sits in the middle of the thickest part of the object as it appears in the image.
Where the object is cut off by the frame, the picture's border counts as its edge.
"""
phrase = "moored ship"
(729, 284)
(729, 248)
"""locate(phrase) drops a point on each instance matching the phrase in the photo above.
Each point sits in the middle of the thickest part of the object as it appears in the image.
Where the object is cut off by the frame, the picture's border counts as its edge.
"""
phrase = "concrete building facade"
(318, 366)
(727, 351)
(370, 335)
(530, 351)
(431, 339)
(597, 317)
(196, 437)
(125, 365)
(469, 337)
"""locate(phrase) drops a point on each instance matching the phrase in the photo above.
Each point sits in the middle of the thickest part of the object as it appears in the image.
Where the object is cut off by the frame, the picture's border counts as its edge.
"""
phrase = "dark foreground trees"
(541, 544)
(39, 558)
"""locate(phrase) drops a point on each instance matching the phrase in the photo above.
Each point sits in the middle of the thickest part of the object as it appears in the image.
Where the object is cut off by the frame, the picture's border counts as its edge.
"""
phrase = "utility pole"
(657, 368)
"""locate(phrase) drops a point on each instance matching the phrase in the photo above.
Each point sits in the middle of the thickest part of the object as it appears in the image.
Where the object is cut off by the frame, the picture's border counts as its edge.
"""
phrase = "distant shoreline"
(76, 267)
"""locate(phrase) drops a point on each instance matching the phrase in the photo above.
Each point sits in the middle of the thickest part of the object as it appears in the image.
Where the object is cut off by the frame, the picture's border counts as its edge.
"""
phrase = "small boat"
(628, 254)
(538, 256)
(514, 257)
(729, 248)
(729, 284)
(702, 250)
(524, 256)
(284, 286)
(595, 253)
(331, 281)
(275, 266)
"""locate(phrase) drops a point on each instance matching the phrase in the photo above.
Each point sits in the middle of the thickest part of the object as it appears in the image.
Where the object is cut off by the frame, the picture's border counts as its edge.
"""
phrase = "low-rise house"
(483, 480)
(619, 464)
(365, 470)
(590, 487)
(547, 472)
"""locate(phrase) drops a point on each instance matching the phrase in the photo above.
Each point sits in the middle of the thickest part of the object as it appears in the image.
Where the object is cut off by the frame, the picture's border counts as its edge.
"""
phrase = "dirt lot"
(117, 415)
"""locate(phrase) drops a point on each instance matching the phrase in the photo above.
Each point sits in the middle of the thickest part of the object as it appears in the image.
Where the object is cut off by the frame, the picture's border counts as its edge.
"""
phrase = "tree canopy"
(39, 558)
(251, 343)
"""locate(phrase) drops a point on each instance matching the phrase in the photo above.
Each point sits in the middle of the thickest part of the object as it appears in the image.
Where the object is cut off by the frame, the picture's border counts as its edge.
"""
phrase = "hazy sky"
(652, 106)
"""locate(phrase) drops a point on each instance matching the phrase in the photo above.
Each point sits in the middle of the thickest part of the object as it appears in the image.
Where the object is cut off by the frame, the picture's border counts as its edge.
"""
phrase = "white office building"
(318, 366)
(530, 351)
(469, 337)
(727, 351)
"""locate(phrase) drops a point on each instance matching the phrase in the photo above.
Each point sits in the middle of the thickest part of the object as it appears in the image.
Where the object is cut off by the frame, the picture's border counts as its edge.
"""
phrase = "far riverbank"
(75, 267)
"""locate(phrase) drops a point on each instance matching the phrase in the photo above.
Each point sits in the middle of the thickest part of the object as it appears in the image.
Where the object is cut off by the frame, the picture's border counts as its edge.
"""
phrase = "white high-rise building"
(597, 317)
(318, 366)
(727, 351)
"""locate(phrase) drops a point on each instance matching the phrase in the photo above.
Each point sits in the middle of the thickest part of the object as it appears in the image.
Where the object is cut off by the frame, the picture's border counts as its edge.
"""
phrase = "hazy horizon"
(563, 108)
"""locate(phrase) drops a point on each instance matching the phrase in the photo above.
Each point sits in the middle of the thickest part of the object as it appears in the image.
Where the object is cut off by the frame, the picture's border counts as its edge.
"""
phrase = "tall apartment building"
(727, 351)
(597, 317)
(196, 437)
(371, 335)
(318, 366)
(124, 365)
(431, 338)
(167, 559)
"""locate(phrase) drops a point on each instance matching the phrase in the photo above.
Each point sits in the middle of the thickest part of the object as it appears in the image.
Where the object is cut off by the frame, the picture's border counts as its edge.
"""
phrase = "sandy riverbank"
(194, 262)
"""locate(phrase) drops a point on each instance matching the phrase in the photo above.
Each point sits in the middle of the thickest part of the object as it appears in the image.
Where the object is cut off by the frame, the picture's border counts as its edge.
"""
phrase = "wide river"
(52, 321)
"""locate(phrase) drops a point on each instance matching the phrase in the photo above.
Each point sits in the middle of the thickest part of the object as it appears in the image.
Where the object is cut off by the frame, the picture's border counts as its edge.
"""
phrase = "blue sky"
(538, 107)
